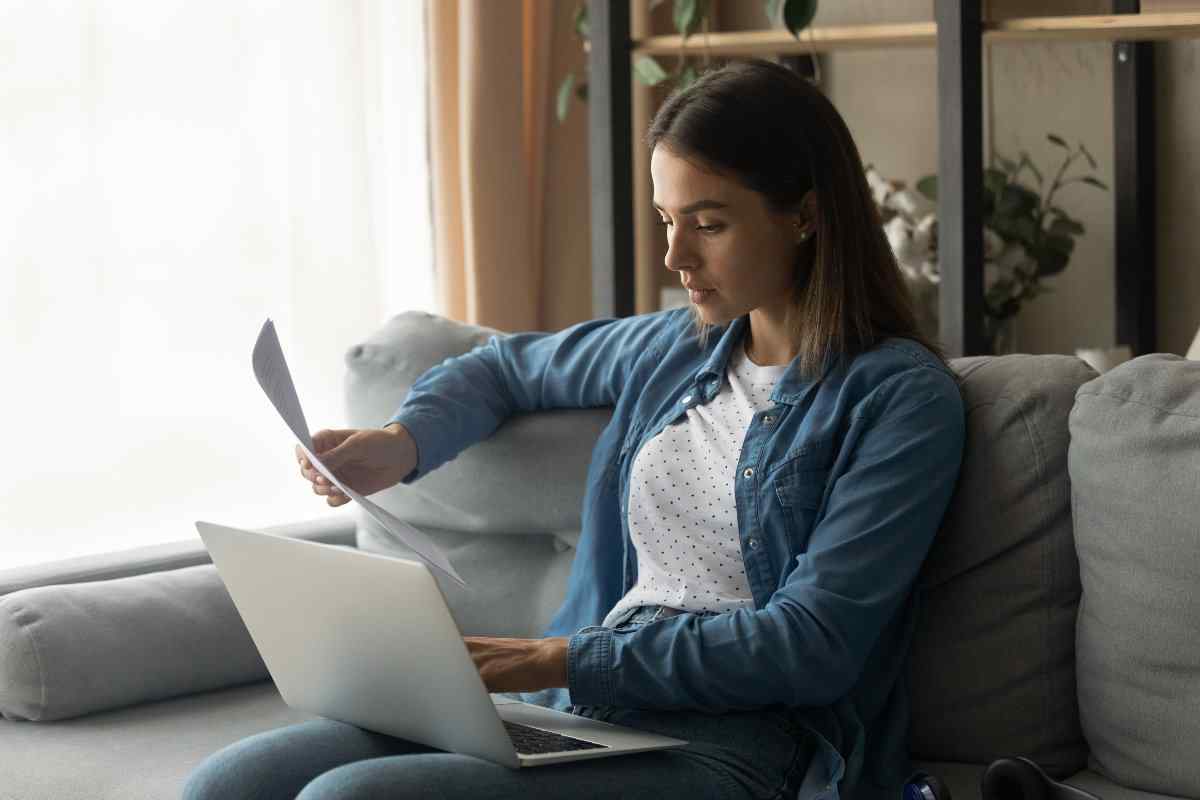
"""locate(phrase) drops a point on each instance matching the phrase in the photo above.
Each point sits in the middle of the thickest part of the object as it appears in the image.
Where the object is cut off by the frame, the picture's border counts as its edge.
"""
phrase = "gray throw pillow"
(1135, 462)
(992, 670)
(78, 648)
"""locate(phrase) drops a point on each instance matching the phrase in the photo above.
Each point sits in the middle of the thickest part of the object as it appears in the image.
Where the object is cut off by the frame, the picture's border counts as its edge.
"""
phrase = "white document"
(273, 376)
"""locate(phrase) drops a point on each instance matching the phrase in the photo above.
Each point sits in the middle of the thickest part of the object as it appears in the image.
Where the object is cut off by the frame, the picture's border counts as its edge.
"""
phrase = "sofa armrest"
(337, 528)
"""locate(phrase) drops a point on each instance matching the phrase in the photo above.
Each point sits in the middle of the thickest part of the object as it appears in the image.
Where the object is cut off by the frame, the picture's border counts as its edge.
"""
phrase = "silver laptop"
(368, 640)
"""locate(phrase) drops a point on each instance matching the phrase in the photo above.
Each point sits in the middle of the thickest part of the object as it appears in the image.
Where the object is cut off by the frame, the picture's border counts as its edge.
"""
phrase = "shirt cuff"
(422, 434)
(589, 667)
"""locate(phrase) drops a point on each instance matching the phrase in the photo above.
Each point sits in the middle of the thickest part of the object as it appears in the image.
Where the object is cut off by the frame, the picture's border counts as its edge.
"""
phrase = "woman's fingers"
(320, 484)
(308, 472)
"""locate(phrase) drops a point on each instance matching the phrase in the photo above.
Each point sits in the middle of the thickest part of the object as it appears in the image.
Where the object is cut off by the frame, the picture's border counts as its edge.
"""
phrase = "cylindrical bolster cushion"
(78, 648)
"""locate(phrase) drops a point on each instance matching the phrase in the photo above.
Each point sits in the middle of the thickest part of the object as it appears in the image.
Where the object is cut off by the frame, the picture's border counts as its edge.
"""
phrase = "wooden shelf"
(780, 42)
(1114, 27)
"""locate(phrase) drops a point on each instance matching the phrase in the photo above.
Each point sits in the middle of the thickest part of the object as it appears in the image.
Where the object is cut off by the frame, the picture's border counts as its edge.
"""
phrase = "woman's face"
(732, 250)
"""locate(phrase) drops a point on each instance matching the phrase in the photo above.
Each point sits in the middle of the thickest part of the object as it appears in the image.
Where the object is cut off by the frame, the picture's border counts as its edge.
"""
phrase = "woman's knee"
(416, 775)
(227, 773)
(277, 763)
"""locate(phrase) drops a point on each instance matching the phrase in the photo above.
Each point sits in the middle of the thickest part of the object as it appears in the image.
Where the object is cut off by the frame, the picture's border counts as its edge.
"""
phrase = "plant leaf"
(1014, 228)
(1066, 227)
(686, 17)
(798, 15)
(1059, 243)
(1016, 201)
(1053, 257)
(563, 102)
(1087, 155)
(1058, 140)
(1096, 182)
(928, 186)
(989, 205)
(580, 23)
(1026, 229)
(994, 180)
(1027, 161)
(649, 71)
(1008, 164)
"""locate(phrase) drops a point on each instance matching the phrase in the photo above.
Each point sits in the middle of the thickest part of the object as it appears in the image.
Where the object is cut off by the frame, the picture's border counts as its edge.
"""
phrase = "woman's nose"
(678, 257)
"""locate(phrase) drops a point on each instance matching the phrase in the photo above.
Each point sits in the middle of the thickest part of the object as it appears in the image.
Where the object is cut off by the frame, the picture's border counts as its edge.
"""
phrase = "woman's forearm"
(519, 665)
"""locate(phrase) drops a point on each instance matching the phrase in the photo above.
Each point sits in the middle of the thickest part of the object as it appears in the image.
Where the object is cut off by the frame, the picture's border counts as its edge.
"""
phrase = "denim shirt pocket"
(800, 491)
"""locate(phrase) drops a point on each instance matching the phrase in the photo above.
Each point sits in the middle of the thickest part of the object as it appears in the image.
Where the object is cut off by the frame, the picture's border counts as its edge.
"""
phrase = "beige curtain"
(489, 79)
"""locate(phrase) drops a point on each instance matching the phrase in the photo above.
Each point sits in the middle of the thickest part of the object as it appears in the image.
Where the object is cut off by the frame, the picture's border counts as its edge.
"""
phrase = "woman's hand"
(519, 665)
(367, 460)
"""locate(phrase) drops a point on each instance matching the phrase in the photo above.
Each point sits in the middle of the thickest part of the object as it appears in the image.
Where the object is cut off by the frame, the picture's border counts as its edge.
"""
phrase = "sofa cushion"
(992, 670)
(74, 649)
(144, 752)
(147, 752)
(1134, 461)
(489, 487)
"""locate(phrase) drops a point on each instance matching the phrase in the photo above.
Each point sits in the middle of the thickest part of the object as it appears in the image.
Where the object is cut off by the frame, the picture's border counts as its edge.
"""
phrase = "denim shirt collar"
(791, 386)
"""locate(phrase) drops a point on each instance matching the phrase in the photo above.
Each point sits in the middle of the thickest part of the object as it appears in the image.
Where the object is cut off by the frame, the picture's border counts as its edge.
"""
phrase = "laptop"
(368, 640)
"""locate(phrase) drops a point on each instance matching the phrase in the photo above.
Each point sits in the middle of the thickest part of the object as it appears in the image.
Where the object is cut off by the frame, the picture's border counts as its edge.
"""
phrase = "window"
(173, 173)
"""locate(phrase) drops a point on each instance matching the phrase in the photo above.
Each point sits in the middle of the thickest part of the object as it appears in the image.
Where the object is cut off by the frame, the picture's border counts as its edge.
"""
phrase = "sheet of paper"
(271, 370)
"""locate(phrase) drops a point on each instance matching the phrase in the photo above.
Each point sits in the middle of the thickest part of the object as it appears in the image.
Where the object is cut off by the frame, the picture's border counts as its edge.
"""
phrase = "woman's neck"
(768, 343)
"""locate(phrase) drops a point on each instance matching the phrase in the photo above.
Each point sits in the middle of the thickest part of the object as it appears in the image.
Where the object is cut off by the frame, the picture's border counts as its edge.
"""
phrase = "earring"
(803, 233)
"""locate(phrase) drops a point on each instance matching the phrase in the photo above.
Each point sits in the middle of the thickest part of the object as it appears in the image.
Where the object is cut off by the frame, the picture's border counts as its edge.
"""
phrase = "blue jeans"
(751, 754)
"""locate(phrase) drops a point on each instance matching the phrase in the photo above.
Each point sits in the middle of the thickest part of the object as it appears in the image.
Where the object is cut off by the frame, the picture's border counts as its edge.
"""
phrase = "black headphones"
(1016, 778)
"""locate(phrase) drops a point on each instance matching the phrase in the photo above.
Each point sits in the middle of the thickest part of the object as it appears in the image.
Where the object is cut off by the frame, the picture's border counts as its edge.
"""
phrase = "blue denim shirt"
(840, 487)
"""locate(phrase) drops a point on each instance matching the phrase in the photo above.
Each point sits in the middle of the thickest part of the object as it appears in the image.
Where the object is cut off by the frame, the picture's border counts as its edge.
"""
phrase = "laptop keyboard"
(532, 741)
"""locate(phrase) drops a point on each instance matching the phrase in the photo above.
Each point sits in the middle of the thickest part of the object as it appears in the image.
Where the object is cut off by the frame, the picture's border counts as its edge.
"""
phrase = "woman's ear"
(804, 220)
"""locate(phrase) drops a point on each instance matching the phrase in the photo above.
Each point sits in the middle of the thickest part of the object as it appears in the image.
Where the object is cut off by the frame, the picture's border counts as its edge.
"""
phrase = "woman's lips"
(698, 296)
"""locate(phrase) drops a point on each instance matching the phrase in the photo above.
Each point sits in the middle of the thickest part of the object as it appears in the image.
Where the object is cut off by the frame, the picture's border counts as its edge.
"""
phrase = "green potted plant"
(1028, 236)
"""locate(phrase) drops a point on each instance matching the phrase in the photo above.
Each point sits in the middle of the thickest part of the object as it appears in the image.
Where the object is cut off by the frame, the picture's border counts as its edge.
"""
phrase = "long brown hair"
(777, 134)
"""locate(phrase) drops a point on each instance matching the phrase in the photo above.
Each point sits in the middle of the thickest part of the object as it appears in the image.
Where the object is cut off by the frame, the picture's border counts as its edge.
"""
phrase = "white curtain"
(172, 173)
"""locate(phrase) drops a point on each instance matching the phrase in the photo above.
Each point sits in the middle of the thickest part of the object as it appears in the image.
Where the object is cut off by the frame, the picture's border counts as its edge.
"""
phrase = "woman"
(778, 461)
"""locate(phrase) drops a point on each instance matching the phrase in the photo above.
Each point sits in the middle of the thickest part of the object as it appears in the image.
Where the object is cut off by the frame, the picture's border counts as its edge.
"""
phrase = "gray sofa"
(1058, 620)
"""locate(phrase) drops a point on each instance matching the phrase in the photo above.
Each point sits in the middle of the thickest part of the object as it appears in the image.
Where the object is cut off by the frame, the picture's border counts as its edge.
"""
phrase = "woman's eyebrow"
(699, 205)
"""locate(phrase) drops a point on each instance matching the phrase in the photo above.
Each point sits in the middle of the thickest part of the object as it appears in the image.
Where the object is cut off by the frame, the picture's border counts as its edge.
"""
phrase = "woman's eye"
(663, 223)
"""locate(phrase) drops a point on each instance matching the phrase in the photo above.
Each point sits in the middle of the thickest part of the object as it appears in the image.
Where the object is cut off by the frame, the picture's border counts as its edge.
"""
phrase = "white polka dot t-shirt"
(682, 513)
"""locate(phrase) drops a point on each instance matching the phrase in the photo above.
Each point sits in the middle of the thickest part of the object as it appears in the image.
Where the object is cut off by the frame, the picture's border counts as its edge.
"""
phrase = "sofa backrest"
(992, 670)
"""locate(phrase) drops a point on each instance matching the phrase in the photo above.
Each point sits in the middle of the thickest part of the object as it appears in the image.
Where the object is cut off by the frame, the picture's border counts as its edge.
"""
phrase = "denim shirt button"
(749, 473)
(686, 400)
(768, 420)
(753, 544)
